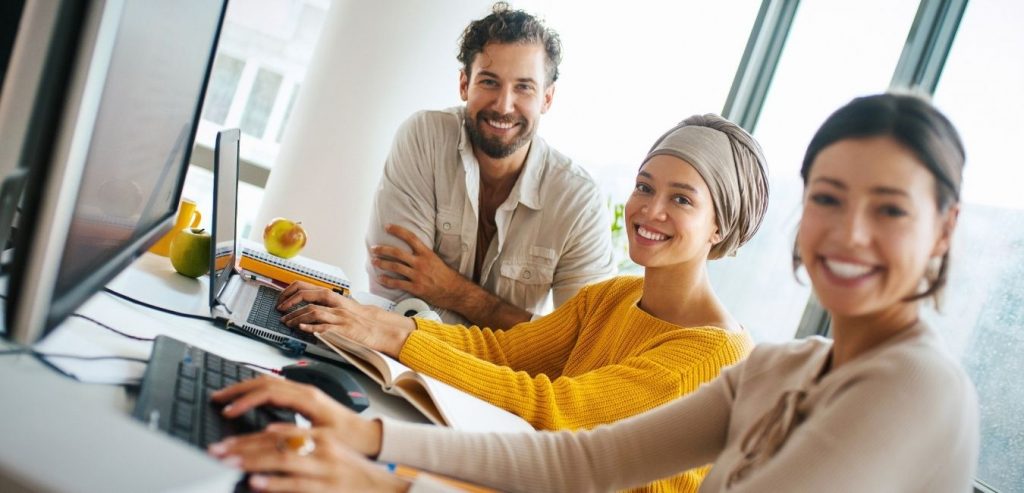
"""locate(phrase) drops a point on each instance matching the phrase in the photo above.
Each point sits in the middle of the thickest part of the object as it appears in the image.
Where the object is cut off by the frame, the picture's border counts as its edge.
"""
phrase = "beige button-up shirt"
(554, 231)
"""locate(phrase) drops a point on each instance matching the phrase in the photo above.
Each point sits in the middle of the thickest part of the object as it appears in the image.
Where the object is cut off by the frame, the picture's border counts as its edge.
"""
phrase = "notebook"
(244, 301)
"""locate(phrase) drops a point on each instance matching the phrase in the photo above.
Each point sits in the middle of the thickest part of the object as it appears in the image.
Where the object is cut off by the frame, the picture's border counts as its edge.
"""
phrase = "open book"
(441, 403)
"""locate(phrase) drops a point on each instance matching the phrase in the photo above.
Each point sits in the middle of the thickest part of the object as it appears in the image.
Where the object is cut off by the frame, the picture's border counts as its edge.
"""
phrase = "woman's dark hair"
(916, 125)
(507, 26)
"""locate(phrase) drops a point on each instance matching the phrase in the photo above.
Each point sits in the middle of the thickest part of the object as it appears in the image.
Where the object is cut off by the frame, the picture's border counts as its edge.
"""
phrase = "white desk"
(150, 279)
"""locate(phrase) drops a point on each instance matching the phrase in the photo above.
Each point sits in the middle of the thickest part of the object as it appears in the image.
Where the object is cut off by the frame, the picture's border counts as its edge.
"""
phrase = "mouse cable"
(159, 308)
(118, 332)
(150, 339)
(43, 359)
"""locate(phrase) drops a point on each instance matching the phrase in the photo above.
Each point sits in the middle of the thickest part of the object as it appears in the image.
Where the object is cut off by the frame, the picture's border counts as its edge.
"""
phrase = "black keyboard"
(264, 314)
(175, 395)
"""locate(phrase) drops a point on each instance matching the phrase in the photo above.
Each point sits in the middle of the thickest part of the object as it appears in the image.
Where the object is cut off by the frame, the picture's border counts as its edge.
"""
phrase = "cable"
(159, 308)
(105, 326)
(89, 358)
(43, 359)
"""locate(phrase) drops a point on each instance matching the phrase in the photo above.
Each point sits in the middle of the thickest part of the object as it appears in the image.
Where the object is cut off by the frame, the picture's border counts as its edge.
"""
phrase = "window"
(834, 53)
(260, 103)
(629, 74)
(227, 71)
(265, 48)
(983, 312)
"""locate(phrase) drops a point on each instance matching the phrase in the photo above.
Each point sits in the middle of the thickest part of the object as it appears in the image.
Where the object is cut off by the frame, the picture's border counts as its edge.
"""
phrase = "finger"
(299, 312)
(313, 294)
(273, 484)
(407, 236)
(251, 443)
(315, 315)
(284, 393)
(293, 288)
(241, 388)
(396, 267)
(315, 320)
(393, 253)
(395, 283)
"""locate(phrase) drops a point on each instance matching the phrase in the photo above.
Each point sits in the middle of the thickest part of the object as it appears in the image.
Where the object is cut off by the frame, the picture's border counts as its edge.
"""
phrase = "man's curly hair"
(507, 26)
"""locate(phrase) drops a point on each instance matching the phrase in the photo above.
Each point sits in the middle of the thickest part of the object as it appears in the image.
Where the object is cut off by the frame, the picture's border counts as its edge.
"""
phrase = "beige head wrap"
(732, 165)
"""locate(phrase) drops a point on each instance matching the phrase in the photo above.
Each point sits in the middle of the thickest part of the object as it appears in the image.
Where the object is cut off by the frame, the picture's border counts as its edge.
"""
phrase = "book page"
(458, 409)
(438, 401)
(384, 368)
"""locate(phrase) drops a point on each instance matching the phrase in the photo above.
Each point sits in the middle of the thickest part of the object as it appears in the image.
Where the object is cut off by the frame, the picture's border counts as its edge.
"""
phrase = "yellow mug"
(188, 217)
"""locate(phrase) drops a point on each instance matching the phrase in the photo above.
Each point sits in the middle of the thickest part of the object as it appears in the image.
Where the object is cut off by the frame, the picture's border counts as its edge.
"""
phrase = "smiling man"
(477, 215)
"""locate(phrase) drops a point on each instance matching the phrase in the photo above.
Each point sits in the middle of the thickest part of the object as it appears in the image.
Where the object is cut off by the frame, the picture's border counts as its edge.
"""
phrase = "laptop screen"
(225, 207)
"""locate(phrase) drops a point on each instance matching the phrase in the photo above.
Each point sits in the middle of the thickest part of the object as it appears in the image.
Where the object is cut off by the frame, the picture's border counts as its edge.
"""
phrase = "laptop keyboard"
(175, 395)
(264, 314)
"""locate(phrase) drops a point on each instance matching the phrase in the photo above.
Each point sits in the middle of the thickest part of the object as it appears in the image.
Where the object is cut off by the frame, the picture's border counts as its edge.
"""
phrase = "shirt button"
(465, 247)
(447, 226)
(526, 274)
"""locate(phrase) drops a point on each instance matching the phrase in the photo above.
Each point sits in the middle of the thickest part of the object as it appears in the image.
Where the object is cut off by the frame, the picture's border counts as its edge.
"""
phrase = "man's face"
(505, 94)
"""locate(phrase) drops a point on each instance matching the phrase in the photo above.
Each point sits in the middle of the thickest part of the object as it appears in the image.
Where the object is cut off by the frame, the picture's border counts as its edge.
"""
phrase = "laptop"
(246, 303)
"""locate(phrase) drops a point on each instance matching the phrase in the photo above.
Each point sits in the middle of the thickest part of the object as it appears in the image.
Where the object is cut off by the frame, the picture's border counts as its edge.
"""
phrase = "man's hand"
(425, 275)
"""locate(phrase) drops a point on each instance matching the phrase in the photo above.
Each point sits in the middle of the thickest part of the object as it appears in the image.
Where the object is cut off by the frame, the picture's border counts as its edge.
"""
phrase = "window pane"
(221, 90)
(632, 71)
(835, 52)
(983, 311)
(288, 112)
(261, 101)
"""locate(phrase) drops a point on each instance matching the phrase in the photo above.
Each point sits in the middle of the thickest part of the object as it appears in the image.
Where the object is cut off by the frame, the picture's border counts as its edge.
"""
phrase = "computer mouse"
(333, 380)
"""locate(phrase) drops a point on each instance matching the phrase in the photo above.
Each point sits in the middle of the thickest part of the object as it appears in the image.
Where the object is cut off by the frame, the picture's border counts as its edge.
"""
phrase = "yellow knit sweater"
(597, 359)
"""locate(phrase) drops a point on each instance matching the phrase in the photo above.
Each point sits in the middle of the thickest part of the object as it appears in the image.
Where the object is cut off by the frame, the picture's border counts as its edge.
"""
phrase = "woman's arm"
(686, 433)
(607, 394)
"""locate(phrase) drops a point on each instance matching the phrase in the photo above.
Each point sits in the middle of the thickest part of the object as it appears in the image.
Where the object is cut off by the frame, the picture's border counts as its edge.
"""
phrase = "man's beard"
(494, 147)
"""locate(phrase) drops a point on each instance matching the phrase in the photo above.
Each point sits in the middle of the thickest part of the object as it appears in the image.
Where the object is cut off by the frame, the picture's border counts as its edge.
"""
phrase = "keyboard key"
(183, 415)
(189, 371)
(187, 390)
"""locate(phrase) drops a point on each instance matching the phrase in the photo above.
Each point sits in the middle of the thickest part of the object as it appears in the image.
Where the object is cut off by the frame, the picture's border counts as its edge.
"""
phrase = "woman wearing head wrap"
(880, 407)
(619, 347)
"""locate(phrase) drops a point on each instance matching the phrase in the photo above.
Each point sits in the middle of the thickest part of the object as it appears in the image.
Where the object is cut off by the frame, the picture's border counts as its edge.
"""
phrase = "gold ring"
(300, 444)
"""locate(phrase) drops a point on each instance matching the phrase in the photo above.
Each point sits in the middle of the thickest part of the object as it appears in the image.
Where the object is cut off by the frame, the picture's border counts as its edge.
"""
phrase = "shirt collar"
(526, 191)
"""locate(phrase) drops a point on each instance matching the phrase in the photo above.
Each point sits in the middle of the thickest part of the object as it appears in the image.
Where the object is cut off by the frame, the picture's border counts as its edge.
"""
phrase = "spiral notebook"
(255, 259)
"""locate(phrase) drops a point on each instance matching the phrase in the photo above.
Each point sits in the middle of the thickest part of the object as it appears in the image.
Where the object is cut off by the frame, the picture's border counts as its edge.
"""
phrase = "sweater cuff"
(432, 326)
(417, 346)
(399, 440)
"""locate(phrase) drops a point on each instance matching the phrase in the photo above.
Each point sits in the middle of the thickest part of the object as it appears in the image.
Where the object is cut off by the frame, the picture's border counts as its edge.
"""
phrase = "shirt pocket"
(525, 284)
(448, 237)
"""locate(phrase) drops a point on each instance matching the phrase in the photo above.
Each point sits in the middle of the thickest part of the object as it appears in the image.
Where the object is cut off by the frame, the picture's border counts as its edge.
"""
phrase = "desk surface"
(149, 279)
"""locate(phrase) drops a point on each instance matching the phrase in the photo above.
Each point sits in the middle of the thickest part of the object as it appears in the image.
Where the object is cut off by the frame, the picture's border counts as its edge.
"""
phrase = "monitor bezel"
(53, 190)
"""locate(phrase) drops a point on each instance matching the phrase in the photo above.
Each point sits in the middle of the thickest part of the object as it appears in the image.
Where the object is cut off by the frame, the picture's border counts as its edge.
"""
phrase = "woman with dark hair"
(880, 407)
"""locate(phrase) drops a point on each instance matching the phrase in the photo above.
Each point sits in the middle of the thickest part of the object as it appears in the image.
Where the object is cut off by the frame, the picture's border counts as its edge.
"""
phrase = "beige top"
(902, 417)
(553, 231)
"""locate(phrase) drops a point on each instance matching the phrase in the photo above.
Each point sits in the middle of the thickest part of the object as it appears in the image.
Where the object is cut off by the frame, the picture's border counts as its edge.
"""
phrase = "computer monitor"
(120, 153)
(225, 209)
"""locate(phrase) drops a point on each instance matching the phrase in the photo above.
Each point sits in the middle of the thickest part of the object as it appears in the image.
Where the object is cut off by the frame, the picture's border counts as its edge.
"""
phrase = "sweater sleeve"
(675, 437)
(671, 368)
(893, 428)
(538, 346)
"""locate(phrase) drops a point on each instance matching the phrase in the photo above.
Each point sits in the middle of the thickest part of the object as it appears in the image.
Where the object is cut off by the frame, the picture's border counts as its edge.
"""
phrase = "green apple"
(190, 252)
(284, 238)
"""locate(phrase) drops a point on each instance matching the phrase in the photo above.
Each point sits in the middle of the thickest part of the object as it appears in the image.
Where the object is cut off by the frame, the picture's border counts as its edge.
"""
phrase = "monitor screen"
(225, 208)
(116, 190)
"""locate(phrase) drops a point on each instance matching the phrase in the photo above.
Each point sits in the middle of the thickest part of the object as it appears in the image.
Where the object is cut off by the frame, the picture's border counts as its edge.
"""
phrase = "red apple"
(284, 237)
